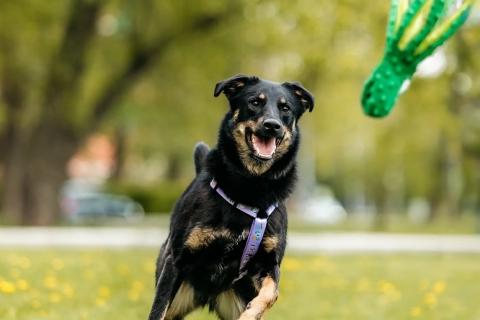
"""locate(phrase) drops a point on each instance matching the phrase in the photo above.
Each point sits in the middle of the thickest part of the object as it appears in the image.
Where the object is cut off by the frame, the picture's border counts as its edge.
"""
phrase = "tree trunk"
(12, 202)
(120, 141)
(35, 172)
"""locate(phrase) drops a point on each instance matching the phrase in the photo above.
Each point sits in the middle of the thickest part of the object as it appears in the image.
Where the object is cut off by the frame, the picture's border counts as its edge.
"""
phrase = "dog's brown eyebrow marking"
(283, 100)
(262, 96)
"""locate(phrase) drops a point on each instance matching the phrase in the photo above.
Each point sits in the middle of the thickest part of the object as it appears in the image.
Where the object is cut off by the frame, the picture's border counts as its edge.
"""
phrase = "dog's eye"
(255, 102)
(284, 107)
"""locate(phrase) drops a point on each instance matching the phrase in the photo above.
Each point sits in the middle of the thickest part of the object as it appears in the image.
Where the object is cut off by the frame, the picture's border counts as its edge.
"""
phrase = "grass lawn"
(117, 284)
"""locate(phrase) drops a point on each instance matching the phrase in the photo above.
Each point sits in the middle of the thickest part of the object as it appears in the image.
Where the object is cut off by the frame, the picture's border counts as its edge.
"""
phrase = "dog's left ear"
(305, 97)
(233, 84)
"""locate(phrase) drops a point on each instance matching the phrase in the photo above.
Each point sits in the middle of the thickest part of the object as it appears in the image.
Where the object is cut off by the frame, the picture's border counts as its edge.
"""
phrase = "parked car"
(81, 201)
(322, 208)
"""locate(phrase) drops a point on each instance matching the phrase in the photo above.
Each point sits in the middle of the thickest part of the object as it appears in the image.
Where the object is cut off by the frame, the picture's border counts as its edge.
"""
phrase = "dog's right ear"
(233, 84)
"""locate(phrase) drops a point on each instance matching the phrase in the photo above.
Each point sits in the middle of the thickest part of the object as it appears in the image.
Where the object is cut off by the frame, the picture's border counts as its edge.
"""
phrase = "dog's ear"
(305, 97)
(233, 84)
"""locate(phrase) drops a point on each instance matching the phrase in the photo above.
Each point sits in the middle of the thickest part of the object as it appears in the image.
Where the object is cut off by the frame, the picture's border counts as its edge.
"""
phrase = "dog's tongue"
(265, 147)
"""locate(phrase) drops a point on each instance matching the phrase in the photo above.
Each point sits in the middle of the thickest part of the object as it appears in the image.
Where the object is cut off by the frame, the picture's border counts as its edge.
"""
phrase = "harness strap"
(257, 230)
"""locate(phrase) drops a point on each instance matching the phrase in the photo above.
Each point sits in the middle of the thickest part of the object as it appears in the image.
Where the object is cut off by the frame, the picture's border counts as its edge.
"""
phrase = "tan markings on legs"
(228, 305)
(270, 243)
(202, 237)
(265, 299)
(183, 302)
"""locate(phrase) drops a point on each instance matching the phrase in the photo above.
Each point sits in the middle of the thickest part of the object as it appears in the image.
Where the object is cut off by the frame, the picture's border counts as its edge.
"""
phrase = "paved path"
(299, 242)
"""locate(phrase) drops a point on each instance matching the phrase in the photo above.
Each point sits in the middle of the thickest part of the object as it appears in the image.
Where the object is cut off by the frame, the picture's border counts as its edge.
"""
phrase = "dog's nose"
(273, 127)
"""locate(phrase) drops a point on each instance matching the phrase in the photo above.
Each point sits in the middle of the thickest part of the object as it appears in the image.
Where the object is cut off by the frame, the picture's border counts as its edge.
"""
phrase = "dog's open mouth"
(263, 147)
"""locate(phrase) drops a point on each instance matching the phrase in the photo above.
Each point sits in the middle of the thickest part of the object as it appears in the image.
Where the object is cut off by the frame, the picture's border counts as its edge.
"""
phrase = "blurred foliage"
(428, 147)
(156, 198)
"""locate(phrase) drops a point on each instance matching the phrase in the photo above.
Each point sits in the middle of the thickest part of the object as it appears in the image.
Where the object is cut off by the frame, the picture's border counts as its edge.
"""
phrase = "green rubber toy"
(415, 29)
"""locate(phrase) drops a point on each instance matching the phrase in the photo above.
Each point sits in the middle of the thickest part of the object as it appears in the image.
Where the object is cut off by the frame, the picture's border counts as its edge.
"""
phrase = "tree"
(44, 121)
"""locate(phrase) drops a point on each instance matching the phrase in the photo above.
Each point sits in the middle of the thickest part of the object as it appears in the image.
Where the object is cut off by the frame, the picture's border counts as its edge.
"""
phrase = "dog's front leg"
(164, 290)
(266, 297)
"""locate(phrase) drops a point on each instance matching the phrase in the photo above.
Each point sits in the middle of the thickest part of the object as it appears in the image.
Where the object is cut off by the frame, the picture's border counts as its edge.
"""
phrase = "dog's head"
(263, 118)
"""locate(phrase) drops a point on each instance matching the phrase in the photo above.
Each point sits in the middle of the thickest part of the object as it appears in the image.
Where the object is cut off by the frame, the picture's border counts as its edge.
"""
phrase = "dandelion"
(100, 302)
(135, 290)
(430, 299)
(439, 287)
(68, 291)
(416, 312)
(7, 287)
(123, 270)
(291, 264)
(50, 282)
(104, 292)
(54, 297)
(22, 285)
(389, 290)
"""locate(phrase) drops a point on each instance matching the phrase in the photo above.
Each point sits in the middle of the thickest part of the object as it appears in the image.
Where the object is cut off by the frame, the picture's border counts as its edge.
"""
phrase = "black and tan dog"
(254, 166)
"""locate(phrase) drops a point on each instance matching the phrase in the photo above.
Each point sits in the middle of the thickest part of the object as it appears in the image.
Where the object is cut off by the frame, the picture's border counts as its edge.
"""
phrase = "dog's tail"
(200, 155)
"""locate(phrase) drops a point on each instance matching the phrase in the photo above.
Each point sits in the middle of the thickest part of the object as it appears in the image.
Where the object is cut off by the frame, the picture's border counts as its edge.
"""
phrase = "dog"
(228, 230)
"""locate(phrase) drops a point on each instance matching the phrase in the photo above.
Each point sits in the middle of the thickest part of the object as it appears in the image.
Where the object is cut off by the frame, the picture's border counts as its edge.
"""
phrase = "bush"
(158, 198)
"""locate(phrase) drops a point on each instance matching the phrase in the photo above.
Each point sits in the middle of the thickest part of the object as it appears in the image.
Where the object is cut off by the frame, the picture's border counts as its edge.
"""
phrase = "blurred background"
(101, 103)
(107, 98)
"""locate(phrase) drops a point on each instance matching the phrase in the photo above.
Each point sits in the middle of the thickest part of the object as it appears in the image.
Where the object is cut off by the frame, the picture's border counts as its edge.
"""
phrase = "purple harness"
(256, 230)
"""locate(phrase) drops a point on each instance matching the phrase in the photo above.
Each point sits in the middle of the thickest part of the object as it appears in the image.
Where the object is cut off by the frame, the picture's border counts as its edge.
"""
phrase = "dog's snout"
(273, 127)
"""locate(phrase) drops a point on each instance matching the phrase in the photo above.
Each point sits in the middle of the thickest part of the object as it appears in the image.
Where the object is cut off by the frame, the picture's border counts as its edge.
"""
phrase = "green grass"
(117, 284)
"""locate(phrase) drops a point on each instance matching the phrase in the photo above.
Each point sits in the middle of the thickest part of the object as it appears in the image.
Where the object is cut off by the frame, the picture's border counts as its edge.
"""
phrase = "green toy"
(415, 29)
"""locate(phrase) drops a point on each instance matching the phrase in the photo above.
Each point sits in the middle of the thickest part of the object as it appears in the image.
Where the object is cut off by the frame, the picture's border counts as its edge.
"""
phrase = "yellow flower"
(137, 285)
(123, 270)
(100, 302)
(50, 282)
(415, 312)
(291, 264)
(135, 290)
(68, 291)
(439, 287)
(389, 291)
(54, 297)
(7, 287)
(22, 285)
(104, 292)
(430, 299)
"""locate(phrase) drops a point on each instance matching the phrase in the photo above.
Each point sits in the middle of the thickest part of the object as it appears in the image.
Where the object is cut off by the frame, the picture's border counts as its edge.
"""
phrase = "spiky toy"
(415, 29)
